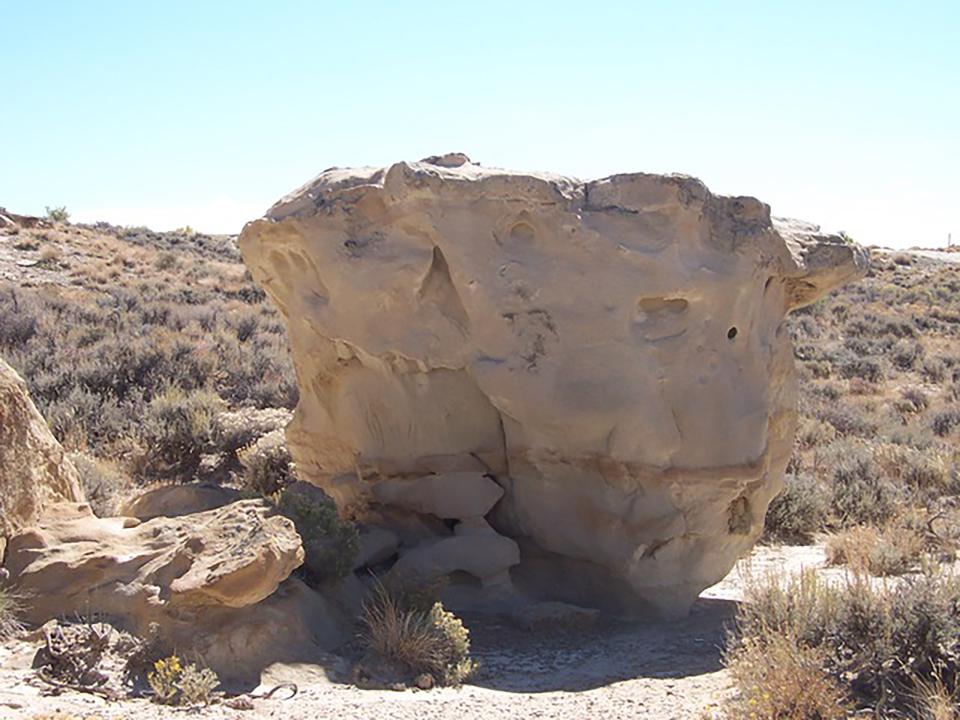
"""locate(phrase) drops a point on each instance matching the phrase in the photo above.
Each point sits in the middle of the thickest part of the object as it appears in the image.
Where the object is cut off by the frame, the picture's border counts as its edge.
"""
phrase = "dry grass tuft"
(892, 648)
(891, 550)
(416, 639)
(9, 609)
(935, 701)
(782, 679)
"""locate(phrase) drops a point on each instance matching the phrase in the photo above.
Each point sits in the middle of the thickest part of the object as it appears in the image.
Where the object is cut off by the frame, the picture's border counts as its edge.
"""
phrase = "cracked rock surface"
(611, 353)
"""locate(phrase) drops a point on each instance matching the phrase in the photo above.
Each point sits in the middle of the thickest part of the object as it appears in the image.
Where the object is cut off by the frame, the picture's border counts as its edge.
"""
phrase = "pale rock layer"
(612, 354)
(450, 495)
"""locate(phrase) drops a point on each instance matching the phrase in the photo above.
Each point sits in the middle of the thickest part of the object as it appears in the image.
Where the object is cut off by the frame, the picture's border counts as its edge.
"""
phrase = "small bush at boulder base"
(176, 684)
(196, 685)
(331, 541)
(104, 485)
(800, 509)
(419, 641)
(9, 608)
(877, 642)
(267, 465)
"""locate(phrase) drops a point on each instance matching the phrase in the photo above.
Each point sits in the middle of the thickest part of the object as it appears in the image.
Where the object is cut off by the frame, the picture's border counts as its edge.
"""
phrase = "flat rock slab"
(178, 500)
(451, 495)
(485, 557)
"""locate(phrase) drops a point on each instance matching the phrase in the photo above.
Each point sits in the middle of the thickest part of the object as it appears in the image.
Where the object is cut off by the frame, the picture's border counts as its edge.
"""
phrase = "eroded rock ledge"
(611, 354)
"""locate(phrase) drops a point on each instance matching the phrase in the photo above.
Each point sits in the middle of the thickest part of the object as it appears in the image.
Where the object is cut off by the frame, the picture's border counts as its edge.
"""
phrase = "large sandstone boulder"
(611, 353)
(34, 470)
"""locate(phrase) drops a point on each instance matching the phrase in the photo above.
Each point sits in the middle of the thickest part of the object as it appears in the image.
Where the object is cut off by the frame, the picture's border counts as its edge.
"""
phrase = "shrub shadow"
(577, 659)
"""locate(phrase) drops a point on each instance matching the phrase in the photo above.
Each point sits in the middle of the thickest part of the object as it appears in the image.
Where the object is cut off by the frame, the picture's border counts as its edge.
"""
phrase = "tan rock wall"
(34, 470)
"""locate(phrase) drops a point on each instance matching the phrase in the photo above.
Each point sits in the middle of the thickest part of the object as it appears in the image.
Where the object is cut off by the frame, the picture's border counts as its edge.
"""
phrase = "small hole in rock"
(731, 333)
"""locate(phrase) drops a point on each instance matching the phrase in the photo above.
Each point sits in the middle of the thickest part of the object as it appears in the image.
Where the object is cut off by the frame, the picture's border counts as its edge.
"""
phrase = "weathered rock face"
(34, 470)
(612, 354)
(205, 582)
(233, 556)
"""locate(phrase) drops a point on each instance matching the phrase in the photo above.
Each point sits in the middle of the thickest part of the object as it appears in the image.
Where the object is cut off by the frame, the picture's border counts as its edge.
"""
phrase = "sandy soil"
(616, 670)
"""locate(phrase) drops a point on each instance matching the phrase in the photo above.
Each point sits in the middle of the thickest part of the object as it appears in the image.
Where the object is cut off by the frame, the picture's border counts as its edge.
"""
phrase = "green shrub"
(418, 641)
(860, 493)
(18, 322)
(800, 509)
(58, 214)
(103, 484)
(916, 400)
(813, 433)
(778, 678)
(934, 371)
(892, 550)
(174, 683)
(267, 465)
(906, 353)
(865, 368)
(178, 427)
(945, 421)
(245, 326)
(166, 261)
(196, 685)
(848, 420)
(238, 429)
(931, 472)
(330, 542)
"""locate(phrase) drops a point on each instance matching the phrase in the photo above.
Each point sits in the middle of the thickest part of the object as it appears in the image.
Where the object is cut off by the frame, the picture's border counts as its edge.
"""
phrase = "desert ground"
(614, 670)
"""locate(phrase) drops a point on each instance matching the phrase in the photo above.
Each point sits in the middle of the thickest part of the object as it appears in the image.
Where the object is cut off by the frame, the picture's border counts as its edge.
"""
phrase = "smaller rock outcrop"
(205, 583)
(233, 557)
(34, 470)
(192, 567)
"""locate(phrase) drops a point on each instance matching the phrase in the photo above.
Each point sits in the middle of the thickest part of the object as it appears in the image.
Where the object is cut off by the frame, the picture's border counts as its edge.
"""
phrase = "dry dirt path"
(618, 670)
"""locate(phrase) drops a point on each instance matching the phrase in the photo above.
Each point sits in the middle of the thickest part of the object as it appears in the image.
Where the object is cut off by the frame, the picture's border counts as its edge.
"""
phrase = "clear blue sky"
(203, 113)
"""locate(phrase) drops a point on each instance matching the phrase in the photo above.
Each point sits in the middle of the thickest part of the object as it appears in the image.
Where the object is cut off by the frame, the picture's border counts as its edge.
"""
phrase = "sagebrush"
(417, 639)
